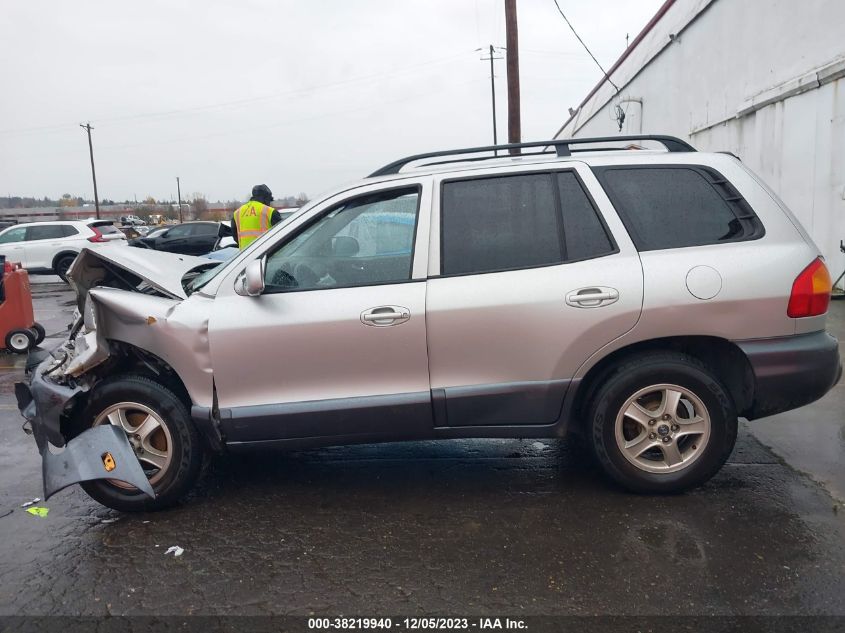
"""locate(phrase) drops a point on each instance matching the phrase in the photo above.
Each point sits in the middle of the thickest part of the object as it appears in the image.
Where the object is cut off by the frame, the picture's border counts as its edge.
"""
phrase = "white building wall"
(764, 79)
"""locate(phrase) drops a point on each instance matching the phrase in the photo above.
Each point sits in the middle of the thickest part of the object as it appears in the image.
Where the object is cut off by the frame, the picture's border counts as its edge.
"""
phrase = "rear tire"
(662, 423)
(62, 264)
(171, 454)
(20, 341)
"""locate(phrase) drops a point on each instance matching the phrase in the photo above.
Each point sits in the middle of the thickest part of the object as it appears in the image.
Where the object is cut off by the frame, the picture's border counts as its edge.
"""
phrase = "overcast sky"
(301, 95)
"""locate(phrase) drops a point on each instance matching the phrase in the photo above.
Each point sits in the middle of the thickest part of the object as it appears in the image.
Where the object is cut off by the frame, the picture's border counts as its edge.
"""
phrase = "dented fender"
(174, 331)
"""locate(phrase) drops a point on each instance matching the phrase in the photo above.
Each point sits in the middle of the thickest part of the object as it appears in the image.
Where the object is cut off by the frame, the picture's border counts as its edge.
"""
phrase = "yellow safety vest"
(252, 220)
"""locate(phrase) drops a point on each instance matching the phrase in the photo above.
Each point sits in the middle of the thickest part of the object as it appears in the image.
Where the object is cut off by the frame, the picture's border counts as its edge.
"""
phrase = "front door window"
(14, 235)
(361, 242)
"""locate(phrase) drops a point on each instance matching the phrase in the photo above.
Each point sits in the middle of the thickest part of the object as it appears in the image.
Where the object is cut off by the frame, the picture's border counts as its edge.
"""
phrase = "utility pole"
(493, 90)
(179, 194)
(512, 47)
(87, 127)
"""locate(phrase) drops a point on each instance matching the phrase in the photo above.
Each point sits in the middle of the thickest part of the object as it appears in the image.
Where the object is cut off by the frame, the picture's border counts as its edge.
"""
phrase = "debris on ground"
(31, 503)
(37, 511)
(539, 446)
(112, 520)
(175, 550)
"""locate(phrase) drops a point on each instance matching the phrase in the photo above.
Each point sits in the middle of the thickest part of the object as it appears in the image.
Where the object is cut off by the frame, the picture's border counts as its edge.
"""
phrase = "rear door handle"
(592, 297)
(385, 315)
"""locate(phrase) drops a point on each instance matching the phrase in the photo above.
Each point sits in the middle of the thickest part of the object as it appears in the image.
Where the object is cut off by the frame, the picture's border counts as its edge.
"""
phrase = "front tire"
(662, 423)
(160, 430)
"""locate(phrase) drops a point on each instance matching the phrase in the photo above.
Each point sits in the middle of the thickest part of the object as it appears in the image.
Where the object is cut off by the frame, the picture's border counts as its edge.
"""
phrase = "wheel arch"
(125, 360)
(140, 362)
(60, 255)
(721, 356)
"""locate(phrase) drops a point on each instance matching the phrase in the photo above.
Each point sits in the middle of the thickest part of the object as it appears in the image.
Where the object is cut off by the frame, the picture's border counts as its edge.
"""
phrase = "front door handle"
(592, 297)
(385, 315)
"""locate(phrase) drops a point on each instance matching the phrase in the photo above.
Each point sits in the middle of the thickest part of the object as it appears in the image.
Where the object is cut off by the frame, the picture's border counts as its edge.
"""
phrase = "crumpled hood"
(159, 270)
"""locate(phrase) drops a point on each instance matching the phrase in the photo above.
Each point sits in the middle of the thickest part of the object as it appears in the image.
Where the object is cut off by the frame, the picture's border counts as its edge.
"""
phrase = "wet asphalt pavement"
(455, 527)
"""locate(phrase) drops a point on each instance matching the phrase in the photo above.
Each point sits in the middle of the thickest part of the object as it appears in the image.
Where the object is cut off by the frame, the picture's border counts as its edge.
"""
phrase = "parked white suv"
(643, 299)
(49, 248)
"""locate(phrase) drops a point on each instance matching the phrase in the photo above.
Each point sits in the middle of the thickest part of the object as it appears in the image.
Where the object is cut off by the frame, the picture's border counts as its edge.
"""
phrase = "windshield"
(206, 276)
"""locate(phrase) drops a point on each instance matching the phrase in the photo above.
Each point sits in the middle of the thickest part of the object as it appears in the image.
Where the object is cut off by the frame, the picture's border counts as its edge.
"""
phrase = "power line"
(493, 89)
(604, 72)
(247, 101)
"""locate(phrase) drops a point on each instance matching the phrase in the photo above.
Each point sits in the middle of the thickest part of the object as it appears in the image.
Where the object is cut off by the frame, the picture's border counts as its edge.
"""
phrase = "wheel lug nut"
(667, 439)
(666, 416)
(652, 422)
(675, 427)
(651, 436)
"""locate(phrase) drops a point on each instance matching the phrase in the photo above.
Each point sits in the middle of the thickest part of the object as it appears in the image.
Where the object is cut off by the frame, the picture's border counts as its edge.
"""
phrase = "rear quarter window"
(678, 206)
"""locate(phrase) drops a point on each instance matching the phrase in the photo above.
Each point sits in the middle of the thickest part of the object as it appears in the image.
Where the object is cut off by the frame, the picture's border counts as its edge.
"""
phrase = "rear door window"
(678, 206)
(584, 232)
(499, 223)
(44, 232)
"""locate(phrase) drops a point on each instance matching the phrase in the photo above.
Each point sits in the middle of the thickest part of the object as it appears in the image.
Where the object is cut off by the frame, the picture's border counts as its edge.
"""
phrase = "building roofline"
(640, 36)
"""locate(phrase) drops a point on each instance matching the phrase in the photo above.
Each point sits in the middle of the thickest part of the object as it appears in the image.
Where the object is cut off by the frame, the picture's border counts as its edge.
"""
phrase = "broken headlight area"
(102, 452)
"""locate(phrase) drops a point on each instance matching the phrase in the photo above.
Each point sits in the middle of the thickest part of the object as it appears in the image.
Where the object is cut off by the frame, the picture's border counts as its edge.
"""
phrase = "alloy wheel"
(662, 428)
(148, 435)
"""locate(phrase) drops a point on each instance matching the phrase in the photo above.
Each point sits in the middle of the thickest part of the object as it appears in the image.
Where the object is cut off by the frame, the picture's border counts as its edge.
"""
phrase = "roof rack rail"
(561, 148)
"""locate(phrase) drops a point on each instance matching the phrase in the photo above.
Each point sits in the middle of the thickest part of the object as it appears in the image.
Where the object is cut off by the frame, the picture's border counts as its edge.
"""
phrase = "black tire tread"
(169, 492)
(699, 472)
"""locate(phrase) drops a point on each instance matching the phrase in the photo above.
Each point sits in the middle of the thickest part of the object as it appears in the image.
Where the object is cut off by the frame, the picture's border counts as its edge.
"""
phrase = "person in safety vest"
(254, 218)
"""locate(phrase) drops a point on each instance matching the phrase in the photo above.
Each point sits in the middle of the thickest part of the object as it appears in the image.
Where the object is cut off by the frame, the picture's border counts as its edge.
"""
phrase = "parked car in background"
(131, 232)
(286, 213)
(132, 220)
(49, 248)
(190, 238)
(5, 224)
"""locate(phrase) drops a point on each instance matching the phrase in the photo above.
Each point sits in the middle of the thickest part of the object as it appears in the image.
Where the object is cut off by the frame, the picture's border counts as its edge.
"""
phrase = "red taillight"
(810, 291)
(97, 237)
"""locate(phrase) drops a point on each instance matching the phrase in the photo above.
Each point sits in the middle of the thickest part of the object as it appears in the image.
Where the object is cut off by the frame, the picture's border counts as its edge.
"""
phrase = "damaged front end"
(60, 380)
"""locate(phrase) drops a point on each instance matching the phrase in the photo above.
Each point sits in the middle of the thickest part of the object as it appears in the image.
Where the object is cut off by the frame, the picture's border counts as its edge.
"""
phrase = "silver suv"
(643, 297)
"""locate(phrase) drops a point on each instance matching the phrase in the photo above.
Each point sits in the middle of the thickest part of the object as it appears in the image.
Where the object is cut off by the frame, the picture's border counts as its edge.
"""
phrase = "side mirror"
(251, 282)
(345, 246)
(165, 233)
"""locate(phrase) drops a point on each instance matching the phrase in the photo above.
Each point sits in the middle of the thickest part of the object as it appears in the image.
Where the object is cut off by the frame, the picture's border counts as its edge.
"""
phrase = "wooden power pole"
(179, 194)
(87, 127)
(512, 46)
